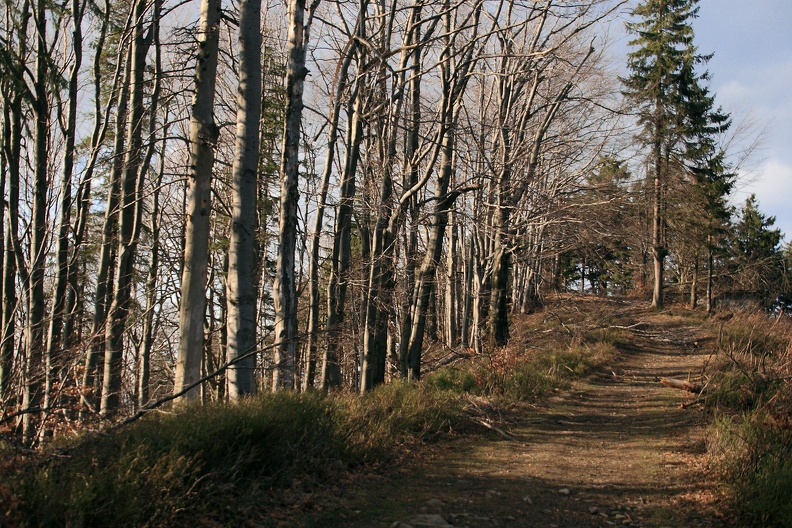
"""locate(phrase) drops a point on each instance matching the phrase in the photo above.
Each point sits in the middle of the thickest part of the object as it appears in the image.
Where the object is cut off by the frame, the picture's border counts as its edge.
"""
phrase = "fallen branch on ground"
(681, 384)
(491, 427)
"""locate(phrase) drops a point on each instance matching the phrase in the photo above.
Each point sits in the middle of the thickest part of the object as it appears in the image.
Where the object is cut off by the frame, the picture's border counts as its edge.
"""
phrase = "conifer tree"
(664, 87)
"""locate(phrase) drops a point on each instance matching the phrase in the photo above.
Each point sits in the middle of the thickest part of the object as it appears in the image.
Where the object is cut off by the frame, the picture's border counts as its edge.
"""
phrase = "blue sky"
(752, 76)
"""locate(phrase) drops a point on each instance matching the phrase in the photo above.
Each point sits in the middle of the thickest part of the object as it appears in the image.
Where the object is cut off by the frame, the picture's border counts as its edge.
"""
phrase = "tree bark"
(340, 262)
(313, 272)
(12, 147)
(83, 194)
(94, 360)
(36, 301)
(243, 251)
(54, 351)
(147, 340)
(203, 139)
(131, 203)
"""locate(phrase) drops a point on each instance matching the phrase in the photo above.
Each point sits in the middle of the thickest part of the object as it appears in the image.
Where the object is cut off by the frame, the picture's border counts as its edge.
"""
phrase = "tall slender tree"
(661, 80)
(203, 137)
(242, 253)
(284, 286)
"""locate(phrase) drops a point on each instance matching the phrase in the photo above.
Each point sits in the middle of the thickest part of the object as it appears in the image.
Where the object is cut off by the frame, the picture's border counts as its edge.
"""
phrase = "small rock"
(429, 519)
(593, 510)
(564, 491)
(619, 516)
(527, 499)
(435, 503)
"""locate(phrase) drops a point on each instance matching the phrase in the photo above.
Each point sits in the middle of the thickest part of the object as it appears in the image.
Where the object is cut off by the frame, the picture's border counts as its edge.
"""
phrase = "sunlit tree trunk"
(242, 253)
(94, 360)
(130, 214)
(203, 139)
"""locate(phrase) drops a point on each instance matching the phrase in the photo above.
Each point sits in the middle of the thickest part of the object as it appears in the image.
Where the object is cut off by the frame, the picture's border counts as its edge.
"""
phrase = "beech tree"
(242, 252)
(203, 137)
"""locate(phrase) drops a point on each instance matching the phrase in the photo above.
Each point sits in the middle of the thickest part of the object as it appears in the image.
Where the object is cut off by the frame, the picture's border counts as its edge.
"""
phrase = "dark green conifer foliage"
(673, 107)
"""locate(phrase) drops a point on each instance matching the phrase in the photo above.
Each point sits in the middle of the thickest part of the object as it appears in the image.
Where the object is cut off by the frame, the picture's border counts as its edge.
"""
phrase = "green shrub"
(754, 457)
(452, 379)
(396, 413)
(525, 376)
(169, 469)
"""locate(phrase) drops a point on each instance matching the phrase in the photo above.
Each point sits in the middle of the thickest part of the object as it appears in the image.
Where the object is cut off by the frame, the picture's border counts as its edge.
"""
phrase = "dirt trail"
(614, 450)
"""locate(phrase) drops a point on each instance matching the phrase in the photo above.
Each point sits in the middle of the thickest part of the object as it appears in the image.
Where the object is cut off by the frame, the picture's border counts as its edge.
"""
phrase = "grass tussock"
(519, 374)
(221, 463)
(750, 393)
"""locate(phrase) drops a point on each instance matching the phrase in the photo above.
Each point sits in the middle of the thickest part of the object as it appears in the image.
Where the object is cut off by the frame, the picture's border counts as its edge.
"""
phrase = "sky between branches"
(752, 74)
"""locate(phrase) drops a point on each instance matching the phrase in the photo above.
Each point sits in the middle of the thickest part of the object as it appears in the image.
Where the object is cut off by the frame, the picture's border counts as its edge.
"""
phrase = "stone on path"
(429, 520)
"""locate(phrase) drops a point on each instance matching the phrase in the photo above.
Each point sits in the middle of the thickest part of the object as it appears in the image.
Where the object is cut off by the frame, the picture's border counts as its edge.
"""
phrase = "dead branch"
(681, 384)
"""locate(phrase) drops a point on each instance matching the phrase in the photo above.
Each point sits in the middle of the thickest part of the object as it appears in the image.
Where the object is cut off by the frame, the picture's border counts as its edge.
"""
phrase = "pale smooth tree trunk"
(451, 293)
(284, 286)
(131, 203)
(242, 252)
(203, 138)
(694, 284)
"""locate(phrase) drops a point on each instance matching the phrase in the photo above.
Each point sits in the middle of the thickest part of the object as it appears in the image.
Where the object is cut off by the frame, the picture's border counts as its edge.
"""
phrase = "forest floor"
(614, 449)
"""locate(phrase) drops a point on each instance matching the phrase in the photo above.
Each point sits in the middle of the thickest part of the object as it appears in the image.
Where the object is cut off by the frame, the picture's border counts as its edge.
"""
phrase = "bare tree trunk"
(243, 252)
(694, 285)
(131, 212)
(284, 287)
(658, 249)
(12, 147)
(147, 340)
(94, 360)
(36, 302)
(451, 296)
(710, 262)
(203, 137)
(313, 272)
(467, 297)
(424, 282)
(410, 180)
(54, 351)
(84, 189)
(339, 275)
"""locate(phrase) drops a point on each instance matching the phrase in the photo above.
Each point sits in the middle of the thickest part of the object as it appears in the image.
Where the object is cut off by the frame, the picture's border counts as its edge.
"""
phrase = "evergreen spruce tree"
(665, 90)
(757, 255)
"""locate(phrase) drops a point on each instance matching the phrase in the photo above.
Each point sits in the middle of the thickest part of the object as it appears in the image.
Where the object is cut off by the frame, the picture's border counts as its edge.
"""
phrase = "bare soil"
(615, 449)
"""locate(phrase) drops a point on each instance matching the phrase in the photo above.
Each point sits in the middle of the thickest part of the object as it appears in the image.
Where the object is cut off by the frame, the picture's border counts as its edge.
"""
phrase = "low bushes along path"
(616, 449)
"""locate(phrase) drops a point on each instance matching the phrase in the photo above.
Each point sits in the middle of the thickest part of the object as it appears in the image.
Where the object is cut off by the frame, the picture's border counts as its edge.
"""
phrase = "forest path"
(616, 449)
